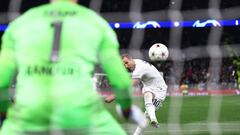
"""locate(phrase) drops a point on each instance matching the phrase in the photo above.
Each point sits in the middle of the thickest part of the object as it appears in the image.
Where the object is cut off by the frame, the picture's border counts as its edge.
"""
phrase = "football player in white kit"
(154, 87)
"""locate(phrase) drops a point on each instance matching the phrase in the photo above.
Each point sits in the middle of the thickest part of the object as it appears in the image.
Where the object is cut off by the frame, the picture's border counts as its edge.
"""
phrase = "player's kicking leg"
(150, 108)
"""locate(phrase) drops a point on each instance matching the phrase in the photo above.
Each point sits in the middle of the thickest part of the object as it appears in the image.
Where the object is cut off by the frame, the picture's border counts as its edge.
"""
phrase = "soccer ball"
(158, 52)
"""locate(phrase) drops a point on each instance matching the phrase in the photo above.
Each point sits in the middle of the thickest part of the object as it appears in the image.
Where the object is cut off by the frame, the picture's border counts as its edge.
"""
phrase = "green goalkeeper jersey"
(55, 74)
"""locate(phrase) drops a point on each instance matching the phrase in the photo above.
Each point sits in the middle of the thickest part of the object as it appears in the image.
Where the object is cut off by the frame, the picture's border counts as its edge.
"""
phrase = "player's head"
(128, 62)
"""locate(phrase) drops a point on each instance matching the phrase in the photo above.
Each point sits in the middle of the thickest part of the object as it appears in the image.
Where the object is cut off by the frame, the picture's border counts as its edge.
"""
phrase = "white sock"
(150, 108)
(138, 131)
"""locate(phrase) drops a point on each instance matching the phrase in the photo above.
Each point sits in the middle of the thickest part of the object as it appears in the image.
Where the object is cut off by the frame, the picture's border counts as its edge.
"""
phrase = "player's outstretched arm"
(110, 98)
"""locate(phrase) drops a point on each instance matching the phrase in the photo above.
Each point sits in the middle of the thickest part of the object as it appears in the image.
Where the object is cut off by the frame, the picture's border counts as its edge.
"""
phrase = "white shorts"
(159, 96)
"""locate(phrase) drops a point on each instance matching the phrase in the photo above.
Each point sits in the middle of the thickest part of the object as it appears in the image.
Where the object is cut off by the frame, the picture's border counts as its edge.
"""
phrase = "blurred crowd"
(199, 73)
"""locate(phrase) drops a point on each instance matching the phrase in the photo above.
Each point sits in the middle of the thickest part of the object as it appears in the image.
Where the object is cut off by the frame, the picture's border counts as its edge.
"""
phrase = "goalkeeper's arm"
(7, 69)
(120, 80)
(111, 63)
(118, 77)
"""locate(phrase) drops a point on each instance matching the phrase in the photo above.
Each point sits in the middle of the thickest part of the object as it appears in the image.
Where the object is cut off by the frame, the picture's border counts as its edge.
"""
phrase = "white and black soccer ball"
(158, 52)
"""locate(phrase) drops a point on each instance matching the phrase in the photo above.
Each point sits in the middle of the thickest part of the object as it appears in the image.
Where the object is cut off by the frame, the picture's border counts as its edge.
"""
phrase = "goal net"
(204, 47)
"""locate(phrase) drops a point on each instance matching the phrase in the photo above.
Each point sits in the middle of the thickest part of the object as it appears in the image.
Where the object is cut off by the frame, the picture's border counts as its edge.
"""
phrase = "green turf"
(195, 109)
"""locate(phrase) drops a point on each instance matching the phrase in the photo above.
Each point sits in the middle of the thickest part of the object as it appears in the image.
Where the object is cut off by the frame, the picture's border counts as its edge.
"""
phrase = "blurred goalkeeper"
(154, 87)
(54, 48)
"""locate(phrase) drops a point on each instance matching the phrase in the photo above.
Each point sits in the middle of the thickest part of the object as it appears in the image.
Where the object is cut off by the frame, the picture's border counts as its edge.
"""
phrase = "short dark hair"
(126, 55)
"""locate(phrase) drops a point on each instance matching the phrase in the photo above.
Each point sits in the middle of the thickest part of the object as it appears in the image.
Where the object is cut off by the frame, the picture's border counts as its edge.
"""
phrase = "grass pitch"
(192, 115)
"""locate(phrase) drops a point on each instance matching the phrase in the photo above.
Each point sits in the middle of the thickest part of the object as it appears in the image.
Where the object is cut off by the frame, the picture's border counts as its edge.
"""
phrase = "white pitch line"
(232, 127)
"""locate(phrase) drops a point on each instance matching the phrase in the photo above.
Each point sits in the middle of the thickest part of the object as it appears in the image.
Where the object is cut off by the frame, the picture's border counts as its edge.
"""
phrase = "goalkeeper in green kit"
(54, 49)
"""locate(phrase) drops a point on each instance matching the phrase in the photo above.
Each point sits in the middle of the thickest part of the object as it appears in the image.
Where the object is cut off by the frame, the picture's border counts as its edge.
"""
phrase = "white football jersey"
(148, 75)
